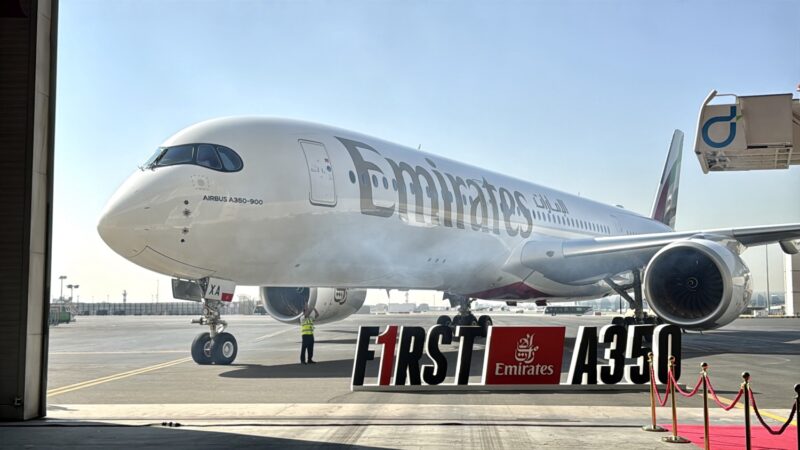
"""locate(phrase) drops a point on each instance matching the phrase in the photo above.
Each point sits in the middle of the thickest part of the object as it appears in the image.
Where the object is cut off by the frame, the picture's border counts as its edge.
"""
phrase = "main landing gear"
(636, 303)
(464, 316)
(215, 346)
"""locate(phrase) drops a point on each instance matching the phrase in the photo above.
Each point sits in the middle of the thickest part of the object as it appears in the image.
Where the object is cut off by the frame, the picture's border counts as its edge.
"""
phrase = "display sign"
(515, 355)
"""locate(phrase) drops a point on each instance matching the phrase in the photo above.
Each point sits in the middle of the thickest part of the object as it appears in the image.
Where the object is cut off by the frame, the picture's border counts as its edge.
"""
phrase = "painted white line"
(267, 336)
(120, 352)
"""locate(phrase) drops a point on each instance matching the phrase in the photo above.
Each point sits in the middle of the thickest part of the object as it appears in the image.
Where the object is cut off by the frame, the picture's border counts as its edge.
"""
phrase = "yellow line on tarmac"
(739, 405)
(119, 376)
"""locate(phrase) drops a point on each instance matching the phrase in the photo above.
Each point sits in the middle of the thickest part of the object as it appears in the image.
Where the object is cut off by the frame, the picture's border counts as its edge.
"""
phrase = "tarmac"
(128, 382)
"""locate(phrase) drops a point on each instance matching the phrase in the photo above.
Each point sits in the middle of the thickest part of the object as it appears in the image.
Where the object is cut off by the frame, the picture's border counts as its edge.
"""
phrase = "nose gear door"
(320, 173)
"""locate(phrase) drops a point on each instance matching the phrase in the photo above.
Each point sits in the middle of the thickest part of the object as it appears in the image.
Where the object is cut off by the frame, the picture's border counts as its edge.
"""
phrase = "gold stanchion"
(704, 374)
(797, 411)
(653, 426)
(674, 439)
(746, 394)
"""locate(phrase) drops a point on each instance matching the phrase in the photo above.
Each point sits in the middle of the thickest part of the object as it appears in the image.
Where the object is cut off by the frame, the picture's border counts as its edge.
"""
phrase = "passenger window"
(181, 154)
(207, 157)
(230, 160)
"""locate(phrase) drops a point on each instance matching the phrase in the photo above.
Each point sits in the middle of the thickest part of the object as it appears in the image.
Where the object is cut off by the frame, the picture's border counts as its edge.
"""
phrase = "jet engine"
(697, 284)
(286, 304)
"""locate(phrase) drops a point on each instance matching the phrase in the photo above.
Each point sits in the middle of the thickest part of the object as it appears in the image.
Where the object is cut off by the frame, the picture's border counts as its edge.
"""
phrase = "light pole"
(766, 258)
(62, 278)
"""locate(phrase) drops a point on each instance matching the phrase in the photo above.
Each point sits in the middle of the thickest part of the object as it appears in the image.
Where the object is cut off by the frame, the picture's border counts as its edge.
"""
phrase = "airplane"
(314, 215)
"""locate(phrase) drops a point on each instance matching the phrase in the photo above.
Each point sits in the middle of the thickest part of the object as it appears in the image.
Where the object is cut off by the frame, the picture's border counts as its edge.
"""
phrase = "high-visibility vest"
(307, 327)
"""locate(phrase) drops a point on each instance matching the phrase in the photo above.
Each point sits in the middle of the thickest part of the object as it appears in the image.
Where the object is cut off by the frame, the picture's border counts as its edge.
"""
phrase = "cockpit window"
(181, 154)
(207, 157)
(153, 158)
(212, 156)
(230, 160)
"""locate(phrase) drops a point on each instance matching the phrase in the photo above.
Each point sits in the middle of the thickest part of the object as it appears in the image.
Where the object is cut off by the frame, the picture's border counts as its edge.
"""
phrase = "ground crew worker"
(307, 334)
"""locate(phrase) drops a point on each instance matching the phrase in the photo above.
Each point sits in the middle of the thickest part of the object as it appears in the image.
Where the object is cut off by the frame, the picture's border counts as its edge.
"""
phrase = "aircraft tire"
(471, 320)
(201, 348)
(618, 321)
(485, 322)
(224, 349)
(444, 320)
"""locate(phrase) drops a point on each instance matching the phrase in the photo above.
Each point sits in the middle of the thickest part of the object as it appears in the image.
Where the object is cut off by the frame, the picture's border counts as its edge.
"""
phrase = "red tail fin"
(666, 203)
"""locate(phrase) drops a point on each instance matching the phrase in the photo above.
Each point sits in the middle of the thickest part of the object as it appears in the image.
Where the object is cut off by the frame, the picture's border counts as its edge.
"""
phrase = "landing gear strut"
(215, 346)
(464, 316)
(636, 303)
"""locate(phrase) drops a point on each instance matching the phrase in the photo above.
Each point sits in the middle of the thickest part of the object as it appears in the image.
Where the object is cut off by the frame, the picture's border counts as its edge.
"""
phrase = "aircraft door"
(320, 173)
(616, 225)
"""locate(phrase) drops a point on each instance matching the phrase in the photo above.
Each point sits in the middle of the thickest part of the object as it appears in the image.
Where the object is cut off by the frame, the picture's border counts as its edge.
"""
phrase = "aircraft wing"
(577, 261)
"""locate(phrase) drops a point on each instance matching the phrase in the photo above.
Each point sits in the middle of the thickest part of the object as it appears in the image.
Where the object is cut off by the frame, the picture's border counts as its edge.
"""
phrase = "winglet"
(665, 204)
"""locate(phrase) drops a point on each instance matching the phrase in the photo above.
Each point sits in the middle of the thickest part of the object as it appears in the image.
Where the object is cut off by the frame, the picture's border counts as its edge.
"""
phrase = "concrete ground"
(113, 381)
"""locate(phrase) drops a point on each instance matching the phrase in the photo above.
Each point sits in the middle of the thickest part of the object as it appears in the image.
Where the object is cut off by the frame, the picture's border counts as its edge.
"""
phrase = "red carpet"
(724, 437)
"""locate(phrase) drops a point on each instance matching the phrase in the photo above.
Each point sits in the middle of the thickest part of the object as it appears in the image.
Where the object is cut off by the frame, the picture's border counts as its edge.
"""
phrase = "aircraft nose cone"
(122, 225)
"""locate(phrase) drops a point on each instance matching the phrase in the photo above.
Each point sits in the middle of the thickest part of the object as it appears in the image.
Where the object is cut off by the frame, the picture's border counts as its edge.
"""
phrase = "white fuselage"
(317, 206)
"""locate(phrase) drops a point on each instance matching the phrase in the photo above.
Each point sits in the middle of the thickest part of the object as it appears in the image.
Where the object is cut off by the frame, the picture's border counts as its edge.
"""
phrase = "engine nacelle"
(285, 304)
(697, 284)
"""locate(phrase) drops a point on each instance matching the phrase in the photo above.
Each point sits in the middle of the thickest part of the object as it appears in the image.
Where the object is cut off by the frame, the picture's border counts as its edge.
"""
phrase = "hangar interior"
(27, 95)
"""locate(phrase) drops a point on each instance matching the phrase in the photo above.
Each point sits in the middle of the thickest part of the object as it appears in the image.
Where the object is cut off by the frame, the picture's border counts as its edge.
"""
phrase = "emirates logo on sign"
(511, 351)
(526, 350)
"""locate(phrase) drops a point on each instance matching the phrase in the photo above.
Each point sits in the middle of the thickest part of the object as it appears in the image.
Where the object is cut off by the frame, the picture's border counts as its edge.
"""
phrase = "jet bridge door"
(320, 173)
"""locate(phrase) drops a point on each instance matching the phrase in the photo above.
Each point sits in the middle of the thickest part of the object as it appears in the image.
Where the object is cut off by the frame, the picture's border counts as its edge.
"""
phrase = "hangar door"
(320, 174)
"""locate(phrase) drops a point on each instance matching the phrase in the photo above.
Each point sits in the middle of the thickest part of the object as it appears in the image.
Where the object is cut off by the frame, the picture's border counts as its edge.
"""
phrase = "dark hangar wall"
(27, 108)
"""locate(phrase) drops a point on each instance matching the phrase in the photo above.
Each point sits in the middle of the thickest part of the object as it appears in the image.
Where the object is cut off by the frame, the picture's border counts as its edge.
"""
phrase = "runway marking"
(267, 336)
(763, 413)
(119, 376)
(119, 352)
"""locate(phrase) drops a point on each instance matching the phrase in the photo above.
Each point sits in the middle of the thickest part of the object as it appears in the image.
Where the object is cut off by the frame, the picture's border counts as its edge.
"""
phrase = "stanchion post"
(746, 393)
(797, 412)
(674, 439)
(704, 374)
(653, 426)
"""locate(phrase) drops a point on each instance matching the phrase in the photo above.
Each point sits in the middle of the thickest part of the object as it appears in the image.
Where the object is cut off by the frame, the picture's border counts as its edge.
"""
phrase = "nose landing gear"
(215, 346)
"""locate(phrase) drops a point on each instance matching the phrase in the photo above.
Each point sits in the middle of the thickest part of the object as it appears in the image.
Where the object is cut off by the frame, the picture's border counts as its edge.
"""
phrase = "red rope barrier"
(760, 419)
(717, 400)
(655, 389)
(681, 391)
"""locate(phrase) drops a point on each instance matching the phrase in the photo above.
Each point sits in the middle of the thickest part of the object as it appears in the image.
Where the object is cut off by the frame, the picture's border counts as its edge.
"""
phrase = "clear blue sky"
(580, 96)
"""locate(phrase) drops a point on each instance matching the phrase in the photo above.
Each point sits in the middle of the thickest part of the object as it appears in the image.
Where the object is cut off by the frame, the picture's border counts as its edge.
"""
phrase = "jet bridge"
(748, 132)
